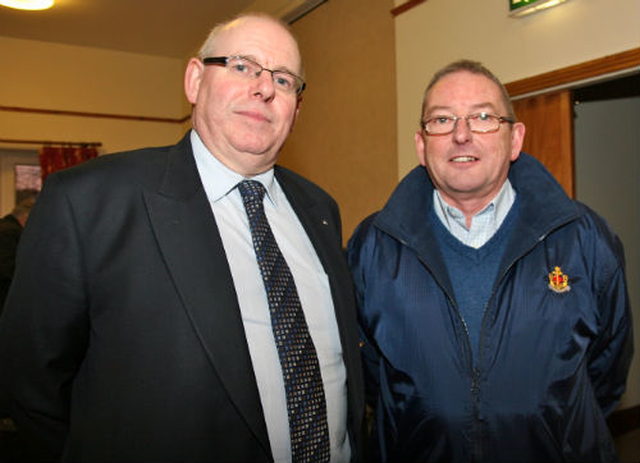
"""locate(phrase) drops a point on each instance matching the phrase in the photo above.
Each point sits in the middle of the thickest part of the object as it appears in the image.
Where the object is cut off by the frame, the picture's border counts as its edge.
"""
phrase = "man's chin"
(256, 162)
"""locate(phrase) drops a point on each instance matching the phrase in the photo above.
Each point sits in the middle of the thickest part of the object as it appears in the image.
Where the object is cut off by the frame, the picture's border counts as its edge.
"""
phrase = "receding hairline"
(208, 46)
(472, 67)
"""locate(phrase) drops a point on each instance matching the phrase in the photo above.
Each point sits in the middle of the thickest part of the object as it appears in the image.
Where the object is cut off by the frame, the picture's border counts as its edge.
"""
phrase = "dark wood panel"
(549, 136)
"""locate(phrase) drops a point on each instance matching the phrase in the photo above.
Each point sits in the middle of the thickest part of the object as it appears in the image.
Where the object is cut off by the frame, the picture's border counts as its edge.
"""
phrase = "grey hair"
(473, 67)
(208, 48)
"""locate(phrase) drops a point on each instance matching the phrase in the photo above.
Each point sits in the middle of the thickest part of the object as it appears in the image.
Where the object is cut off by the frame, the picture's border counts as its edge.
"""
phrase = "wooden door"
(549, 133)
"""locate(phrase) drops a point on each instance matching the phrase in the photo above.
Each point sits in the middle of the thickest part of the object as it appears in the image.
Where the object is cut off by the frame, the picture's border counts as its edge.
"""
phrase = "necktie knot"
(251, 190)
(252, 193)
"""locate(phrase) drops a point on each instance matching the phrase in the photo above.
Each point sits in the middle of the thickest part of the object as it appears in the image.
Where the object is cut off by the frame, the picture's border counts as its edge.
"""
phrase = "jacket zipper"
(477, 451)
(475, 382)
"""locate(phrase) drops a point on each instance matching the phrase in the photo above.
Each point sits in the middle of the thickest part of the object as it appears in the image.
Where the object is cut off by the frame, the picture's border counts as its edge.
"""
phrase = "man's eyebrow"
(432, 109)
(277, 68)
(486, 105)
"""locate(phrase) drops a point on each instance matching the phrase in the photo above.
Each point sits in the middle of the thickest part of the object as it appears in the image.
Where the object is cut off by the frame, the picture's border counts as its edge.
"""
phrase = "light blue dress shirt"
(313, 289)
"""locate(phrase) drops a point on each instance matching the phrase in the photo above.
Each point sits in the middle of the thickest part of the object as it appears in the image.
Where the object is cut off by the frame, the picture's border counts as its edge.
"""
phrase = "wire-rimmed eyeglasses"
(477, 123)
(247, 68)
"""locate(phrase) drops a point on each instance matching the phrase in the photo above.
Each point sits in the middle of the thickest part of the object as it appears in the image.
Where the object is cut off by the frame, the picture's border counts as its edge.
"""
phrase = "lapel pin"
(558, 281)
(324, 222)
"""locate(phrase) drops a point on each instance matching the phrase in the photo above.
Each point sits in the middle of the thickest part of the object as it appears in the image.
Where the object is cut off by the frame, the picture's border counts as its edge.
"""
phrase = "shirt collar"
(218, 180)
(495, 212)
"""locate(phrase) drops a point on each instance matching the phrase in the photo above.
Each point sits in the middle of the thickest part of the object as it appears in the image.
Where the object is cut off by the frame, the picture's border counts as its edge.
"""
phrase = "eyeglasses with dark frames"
(477, 123)
(246, 68)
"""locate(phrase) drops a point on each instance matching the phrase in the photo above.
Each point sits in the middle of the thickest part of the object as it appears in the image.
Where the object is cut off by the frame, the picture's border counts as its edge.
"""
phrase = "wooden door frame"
(571, 76)
(532, 91)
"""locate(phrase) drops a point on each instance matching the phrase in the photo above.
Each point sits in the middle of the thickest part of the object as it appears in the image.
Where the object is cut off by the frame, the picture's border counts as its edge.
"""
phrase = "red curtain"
(53, 158)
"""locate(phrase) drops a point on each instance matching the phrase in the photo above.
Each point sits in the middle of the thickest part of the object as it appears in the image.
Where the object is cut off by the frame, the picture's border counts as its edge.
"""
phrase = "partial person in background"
(12, 445)
(494, 312)
(11, 226)
(191, 302)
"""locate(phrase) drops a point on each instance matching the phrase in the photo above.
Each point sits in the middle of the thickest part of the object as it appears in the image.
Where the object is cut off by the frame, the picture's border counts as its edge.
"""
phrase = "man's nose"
(264, 85)
(461, 130)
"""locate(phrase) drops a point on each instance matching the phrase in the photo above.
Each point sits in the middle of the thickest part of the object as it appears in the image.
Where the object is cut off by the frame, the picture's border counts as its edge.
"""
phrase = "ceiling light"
(521, 8)
(27, 4)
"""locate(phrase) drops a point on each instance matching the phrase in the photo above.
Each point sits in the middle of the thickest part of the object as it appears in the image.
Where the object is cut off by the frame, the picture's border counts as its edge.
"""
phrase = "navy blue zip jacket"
(552, 358)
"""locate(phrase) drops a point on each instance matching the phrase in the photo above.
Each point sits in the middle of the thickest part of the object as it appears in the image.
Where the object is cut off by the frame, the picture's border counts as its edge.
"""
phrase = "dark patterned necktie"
(306, 404)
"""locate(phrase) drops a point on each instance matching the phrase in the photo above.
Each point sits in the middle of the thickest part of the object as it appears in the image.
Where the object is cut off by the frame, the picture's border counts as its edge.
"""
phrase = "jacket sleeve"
(357, 255)
(610, 355)
(44, 329)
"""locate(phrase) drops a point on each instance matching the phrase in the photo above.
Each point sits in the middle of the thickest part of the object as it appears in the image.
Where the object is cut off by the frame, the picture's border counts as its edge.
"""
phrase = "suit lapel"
(316, 218)
(190, 242)
(321, 221)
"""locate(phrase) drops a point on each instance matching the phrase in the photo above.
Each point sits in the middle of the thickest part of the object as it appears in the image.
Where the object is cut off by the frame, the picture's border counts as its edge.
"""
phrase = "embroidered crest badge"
(558, 281)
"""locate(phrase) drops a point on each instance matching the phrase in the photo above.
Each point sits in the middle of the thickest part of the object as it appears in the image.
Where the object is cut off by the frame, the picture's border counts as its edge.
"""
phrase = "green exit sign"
(515, 4)
(518, 8)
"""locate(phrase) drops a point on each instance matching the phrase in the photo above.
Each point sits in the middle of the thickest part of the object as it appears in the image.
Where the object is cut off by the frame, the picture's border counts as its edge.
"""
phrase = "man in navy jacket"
(494, 313)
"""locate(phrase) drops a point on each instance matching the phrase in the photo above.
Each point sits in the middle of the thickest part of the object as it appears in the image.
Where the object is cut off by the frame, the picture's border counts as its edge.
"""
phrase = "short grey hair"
(473, 67)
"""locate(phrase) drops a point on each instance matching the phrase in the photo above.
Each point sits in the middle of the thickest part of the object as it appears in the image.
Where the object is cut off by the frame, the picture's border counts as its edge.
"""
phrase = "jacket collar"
(544, 206)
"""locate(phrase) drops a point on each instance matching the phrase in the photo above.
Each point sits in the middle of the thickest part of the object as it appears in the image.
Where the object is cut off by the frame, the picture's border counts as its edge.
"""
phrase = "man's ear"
(192, 78)
(296, 112)
(517, 139)
(419, 141)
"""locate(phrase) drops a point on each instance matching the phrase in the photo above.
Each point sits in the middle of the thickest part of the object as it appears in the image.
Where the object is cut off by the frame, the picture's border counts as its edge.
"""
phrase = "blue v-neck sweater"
(473, 271)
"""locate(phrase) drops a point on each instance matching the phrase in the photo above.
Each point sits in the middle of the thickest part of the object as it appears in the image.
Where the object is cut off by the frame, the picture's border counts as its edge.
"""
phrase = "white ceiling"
(171, 28)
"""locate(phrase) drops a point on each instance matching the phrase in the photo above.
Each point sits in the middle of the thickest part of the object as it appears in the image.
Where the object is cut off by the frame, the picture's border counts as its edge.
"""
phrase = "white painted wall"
(437, 32)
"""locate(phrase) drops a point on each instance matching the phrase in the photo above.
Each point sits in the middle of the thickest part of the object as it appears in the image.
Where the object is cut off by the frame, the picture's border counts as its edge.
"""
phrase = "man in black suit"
(138, 327)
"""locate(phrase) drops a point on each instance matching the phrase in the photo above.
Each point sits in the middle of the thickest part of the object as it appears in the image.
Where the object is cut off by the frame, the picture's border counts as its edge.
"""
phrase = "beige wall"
(62, 77)
(52, 76)
(437, 32)
(345, 137)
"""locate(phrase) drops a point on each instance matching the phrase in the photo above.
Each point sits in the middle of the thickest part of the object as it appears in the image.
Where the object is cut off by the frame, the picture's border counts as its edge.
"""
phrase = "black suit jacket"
(122, 338)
